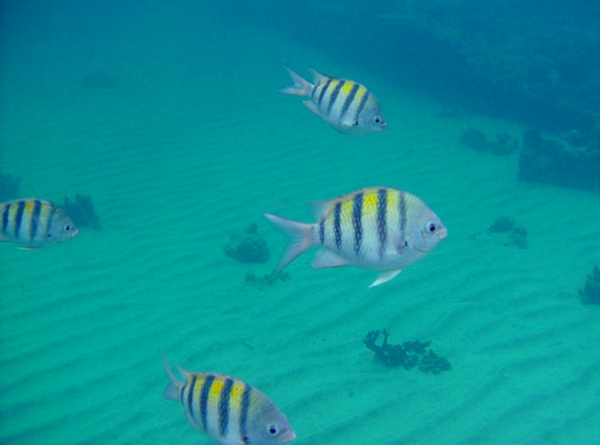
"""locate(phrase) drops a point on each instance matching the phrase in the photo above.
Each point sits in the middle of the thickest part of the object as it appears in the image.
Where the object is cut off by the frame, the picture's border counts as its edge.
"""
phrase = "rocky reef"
(9, 187)
(590, 294)
(558, 162)
(82, 211)
(247, 246)
(476, 139)
(409, 354)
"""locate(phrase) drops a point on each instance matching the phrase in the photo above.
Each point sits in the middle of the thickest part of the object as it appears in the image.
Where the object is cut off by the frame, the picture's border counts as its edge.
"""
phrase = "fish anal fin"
(326, 258)
(385, 276)
(312, 107)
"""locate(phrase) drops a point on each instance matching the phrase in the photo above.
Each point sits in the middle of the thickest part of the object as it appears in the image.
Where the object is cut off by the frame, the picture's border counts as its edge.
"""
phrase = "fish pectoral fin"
(385, 276)
(349, 122)
(326, 258)
(311, 106)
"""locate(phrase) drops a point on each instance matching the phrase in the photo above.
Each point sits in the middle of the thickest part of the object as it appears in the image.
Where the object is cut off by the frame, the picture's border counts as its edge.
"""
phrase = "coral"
(82, 212)
(247, 246)
(475, 139)
(408, 355)
(590, 294)
(9, 187)
(517, 235)
(267, 279)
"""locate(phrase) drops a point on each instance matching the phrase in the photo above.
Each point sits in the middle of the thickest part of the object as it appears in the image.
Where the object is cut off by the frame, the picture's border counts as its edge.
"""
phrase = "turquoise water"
(167, 115)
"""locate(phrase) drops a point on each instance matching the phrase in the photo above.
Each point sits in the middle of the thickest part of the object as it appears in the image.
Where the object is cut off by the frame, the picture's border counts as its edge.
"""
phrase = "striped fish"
(346, 105)
(228, 410)
(34, 223)
(375, 228)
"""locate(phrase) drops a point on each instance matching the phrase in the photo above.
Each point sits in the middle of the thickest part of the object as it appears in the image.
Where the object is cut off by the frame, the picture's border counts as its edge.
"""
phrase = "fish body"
(228, 410)
(347, 106)
(34, 223)
(376, 228)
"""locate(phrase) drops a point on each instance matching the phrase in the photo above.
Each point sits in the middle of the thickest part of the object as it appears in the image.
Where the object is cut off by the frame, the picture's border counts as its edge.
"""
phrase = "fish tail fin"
(301, 86)
(171, 392)
(301, 238)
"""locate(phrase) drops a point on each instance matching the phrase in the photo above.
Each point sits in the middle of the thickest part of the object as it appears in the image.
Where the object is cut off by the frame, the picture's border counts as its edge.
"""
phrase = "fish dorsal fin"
(326, 258)
(320, 209)
(385, 276)
(318, 77)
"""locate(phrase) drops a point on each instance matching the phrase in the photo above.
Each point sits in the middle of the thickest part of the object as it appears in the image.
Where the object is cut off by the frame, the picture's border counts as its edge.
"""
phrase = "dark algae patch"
(409, 354)
(590, 294)
(247, 246)
(82, 211)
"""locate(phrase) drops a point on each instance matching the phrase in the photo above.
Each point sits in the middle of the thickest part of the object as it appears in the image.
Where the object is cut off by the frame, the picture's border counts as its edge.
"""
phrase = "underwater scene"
(318, 222)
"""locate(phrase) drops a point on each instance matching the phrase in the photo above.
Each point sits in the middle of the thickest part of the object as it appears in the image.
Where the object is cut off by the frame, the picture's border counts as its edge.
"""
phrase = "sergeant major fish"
(34, 223)
(376, 228)
(347, 106)
(228, 410)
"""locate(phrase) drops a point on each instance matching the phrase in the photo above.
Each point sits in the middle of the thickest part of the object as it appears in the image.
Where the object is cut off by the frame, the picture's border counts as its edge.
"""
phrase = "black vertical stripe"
(357, 210)
(334, 95)
(402, 211)
(349, 100)
(5, 219)
(323, 90)
(19, 217)
(53, 210)
(224, 406)
(381, 219)
(245, 406)
(35, 219)
(361, 106)
(204, 393)
(337, 224)
(190, 396)
(322, 231)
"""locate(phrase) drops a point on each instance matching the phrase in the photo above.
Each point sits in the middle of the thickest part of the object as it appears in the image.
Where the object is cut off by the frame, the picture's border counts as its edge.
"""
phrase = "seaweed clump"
(517, 235)
(590, 294)
(550, 161)
(9, 187)
(247, 246)
(409, 354)
(82, 212)
(266, 279)
(475, 139)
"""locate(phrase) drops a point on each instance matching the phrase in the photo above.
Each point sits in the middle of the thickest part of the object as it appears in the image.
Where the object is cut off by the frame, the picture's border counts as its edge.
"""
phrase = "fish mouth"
(287, 436)
(443, 233)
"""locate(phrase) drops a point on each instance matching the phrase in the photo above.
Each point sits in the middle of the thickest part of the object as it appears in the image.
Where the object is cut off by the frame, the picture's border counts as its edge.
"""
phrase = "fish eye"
(67, 227)
(273, 429)
(377, 120)
(431, 227)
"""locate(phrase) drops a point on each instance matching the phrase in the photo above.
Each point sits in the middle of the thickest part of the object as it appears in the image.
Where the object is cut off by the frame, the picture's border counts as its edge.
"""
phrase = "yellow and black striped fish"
(346, 105)
(228, 410)
(376, 228)
(34, 223)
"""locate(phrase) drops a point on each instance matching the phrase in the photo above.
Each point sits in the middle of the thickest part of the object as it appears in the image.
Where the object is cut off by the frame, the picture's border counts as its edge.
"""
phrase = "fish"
(378, 228)
(346, 105)
(34, 223)
(227, 410)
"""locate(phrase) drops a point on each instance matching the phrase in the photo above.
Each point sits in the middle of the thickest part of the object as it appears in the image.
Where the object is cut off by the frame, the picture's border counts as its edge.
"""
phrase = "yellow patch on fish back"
(235, 397)
(347, 87)
(370, 202)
